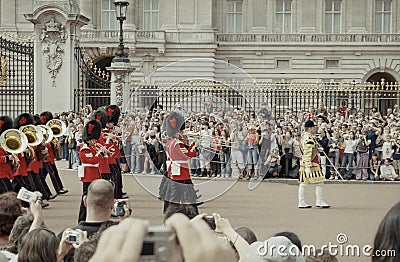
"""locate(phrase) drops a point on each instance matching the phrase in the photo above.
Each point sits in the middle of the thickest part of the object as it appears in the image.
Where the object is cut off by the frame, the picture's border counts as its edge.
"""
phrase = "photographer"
(362, 157)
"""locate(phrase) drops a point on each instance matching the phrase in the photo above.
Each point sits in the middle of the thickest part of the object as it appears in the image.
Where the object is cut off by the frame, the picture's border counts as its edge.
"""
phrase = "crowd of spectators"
(261, 145)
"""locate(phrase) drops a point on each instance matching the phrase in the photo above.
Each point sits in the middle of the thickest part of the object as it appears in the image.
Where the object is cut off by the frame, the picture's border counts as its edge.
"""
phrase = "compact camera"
(73, 237)
(210, 221)
(26, 195)
(118, 209)
(160, 244)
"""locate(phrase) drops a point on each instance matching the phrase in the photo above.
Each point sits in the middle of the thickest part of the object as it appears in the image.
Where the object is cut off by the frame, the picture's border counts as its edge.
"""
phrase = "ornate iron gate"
(93, 87)
(16, 76)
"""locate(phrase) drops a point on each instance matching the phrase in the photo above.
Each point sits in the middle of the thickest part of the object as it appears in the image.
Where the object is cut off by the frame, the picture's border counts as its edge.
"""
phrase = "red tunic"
(36, 165)
(178, 159)
(104, 167)
(5, 167)
(90, 161)
(50, 156)
(22, 169)
(112, 146)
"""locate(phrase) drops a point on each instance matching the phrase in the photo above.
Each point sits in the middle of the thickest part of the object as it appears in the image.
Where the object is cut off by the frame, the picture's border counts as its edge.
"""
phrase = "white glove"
(308, 170)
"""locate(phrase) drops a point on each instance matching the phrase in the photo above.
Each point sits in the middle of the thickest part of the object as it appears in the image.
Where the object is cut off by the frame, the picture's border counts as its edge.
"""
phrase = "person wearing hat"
(310, 170)
(6, 173)
(104, 167)
(113, 114)
(180, 188)
(49, 164)
(90, 158)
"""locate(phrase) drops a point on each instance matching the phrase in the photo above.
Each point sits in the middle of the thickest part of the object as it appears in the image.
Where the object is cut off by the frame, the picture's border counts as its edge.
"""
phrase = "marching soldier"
(49, 163)
(6, 160)
(90, 158)
(310, 170)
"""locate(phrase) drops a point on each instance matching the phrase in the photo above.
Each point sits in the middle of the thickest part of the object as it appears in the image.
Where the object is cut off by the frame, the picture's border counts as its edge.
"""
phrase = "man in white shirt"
(387, 171)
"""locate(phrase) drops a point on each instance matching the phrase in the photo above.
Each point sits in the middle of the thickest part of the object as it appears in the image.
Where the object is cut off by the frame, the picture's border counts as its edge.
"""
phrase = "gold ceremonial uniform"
(309, 150)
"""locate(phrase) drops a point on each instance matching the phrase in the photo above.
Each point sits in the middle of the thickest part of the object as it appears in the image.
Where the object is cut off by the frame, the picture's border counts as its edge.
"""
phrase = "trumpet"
(58, 127)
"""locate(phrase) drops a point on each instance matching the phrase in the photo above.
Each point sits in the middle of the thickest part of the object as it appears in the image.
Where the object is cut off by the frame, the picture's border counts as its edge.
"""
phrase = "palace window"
(234, 17)
(150, 14)
(383, 16)
(333, 10)
(108, 16)
(283, 16)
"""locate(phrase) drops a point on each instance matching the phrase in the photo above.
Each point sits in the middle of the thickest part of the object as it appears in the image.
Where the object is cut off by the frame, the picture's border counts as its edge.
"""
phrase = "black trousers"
(19, 182)
(5, 185)
(82, 208)
(43, 183)
(51, 169)
(116, 178)
(39, 185)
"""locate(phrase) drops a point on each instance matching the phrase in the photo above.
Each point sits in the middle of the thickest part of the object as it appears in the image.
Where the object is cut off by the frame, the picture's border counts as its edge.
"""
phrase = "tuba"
(14, 142)
(33, 133)
(58, 127)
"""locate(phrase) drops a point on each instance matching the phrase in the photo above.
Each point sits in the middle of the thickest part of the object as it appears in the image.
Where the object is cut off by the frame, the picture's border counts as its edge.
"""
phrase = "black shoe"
(305, 207)
(124, 197)
(44, 205)
(62, 191)
(52, 197)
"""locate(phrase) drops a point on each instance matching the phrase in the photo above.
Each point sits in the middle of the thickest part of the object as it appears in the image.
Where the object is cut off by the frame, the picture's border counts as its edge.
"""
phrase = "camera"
(73, 237)
(26, 195)
(210, 221)
(160, 244)
(118, 209)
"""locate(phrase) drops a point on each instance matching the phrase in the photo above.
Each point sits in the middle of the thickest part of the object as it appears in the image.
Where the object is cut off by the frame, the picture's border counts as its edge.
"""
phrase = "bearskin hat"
(100, 115)
(23, 120)
(113, 113)
(91, 130)
(309, 123)
(174, 123)
(37, 120)
(5, 123)
(46, 116)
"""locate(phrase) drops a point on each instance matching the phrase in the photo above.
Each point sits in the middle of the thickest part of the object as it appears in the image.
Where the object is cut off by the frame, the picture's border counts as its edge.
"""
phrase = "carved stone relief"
(53, 37)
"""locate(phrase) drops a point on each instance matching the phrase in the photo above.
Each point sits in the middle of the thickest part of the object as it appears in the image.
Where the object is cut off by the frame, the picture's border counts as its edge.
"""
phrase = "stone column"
(55, 35)
(120, 83)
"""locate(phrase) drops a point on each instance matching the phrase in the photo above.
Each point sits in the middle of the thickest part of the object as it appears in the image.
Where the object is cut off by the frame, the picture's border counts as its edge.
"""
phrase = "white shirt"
(350, 146)
(387, 150)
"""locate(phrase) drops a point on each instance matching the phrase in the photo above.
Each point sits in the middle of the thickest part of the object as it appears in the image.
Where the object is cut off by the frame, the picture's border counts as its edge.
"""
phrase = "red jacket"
(5, 166)
(178, 159)
(90, 161)
(104, 167)
(50, 156)
(36, 165)
(22, 169)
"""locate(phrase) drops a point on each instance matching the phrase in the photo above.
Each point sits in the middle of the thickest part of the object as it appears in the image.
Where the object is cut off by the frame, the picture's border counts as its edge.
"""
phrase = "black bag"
(361, 147)
(72, 144)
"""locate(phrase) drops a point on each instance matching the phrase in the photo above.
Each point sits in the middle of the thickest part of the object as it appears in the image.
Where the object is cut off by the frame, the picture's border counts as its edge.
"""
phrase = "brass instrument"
(14, 142)
(58, 127)
(107, 151)
(33, 133)
(47, 134)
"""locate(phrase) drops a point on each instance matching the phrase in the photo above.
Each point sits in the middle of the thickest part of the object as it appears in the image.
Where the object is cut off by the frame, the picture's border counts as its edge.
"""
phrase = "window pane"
(386, 23)
(328, 6)
(238, 6)
(155, 5)
(387, 6)
(146, 4)
(282, 63)
(378, 24)
(231, 23)
(279, 25)
(288, 6)
(338, 5)
(288, 21)
(328, 23)
(378, 6)
(279, 6)
(231, 6)
(239, 23)
(146, 21)
(154, 21)
(336, 23)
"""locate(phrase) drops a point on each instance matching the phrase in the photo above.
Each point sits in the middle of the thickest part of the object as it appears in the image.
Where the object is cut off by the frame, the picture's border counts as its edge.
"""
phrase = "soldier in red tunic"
(5, 159)
(178, 186)
(90, 159)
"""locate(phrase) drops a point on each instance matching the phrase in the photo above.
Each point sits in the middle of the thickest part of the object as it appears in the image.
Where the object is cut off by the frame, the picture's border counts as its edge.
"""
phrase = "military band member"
(49, 163)
(113, 113)
(310, 170)
(179, 186)
(90, 158)
(6, 160)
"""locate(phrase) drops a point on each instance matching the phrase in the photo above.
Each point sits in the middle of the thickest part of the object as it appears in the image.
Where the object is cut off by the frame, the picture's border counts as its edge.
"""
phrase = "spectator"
(348, 156)
(387, 170)
(388, 235)
(374, 166)
(362, 157)
(10, 210)
(39, 245)
(273, 164)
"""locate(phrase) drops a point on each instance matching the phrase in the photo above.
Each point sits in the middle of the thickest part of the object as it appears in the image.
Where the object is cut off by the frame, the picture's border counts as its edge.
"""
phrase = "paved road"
(357, 209)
